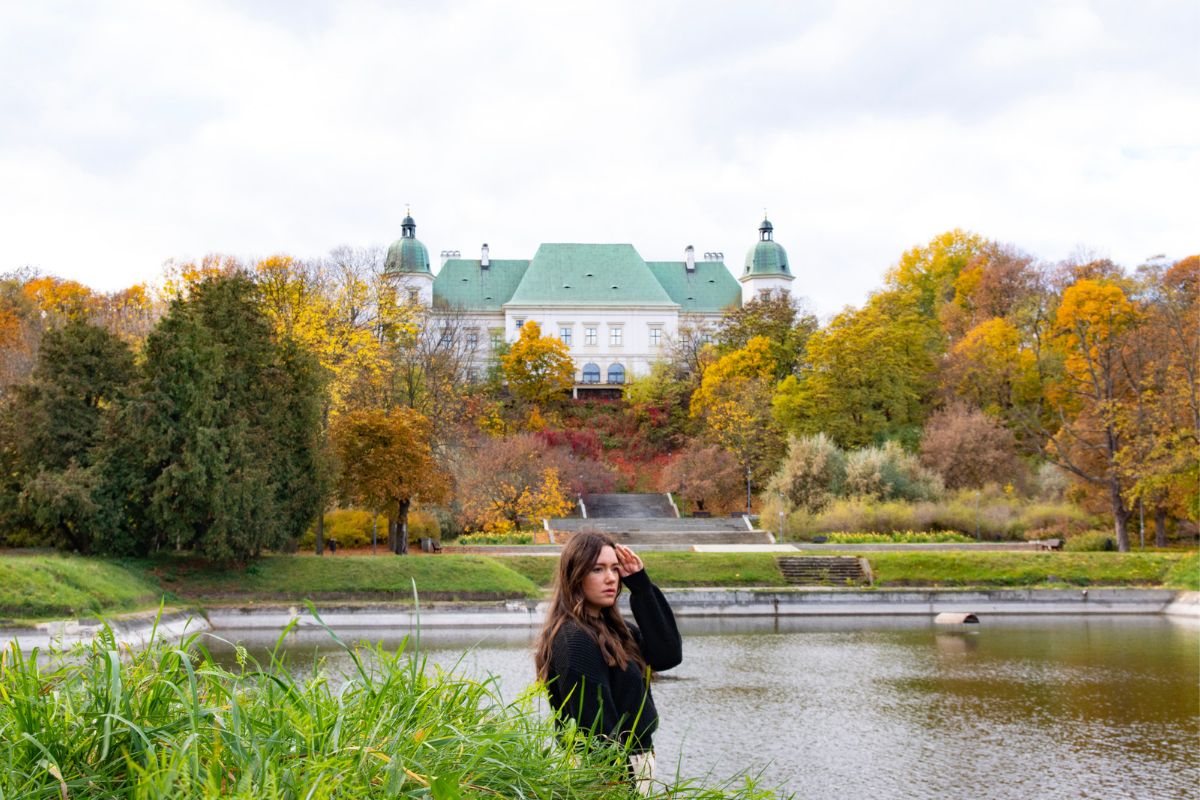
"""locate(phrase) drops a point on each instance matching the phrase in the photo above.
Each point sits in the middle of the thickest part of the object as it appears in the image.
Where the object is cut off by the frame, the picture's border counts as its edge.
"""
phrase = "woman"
(595, 665)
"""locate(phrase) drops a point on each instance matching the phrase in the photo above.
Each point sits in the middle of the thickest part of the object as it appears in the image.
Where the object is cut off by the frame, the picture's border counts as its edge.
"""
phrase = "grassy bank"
(52, 585)
(49, 586)
(167, 721)
(1020, 569)
(676, 569)
(447, 577)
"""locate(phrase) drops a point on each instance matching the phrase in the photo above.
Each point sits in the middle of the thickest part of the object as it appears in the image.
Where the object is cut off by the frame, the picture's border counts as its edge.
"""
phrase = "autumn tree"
(503, 483)
(969, 448)
(734, 403)
(1093, 326)
(1160, 457)
(659, 401)
(869, 378)
(777, 317)
(538, 368)
(386, 464)
(707, 476)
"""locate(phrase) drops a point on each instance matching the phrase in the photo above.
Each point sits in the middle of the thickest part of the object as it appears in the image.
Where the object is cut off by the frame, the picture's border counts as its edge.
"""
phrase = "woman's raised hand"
(627, 561)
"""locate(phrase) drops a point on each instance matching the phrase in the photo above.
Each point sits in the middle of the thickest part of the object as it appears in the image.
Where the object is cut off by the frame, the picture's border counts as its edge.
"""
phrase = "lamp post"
(781, 517)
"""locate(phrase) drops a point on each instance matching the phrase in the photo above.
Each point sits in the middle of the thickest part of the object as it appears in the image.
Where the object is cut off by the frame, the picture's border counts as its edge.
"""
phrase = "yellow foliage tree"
(1099, 377)
(734, 402)
(538, 368)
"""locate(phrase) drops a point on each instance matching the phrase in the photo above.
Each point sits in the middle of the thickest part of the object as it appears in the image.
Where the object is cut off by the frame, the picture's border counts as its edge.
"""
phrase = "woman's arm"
(661, 644)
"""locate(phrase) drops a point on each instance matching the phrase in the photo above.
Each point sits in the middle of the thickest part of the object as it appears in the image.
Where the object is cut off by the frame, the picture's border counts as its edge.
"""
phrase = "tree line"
(225, 410)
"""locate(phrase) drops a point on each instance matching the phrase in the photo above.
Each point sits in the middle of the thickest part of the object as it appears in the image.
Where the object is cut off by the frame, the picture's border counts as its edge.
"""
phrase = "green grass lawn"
(299, 577)
(675, 569)
(1019, 569)
(49, 585)
(52, 585)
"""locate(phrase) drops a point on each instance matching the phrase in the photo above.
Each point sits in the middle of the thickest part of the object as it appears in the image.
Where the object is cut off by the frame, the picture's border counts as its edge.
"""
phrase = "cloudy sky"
(137, 132)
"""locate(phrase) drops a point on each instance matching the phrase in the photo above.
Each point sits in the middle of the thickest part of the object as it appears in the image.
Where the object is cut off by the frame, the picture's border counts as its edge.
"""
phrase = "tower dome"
(766, 257)
(407, 254)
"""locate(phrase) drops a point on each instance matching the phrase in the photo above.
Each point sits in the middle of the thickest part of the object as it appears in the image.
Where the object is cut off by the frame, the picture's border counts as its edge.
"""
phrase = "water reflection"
(1067, 707)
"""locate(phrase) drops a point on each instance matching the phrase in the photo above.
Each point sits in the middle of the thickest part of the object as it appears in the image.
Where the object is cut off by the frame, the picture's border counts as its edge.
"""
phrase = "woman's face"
(602, 582)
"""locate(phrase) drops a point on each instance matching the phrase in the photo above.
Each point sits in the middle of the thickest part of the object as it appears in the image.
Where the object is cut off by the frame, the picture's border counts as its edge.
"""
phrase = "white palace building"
(615, 311)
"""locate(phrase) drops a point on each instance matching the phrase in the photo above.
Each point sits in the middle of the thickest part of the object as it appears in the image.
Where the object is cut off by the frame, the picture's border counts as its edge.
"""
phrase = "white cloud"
(156, 130)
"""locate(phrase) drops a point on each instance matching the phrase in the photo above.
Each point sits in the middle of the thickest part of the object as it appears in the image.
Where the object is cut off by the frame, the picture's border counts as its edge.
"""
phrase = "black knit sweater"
(615, 702)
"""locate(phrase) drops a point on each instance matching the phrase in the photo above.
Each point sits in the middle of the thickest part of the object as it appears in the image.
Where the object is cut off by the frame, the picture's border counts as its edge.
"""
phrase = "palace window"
(589, 337)
(591, 373)
(656, 337)
(497, 338)
(564, 335)
(616, 374)
(447, 337)
(520, 323)
(615, 336)
(472, 339)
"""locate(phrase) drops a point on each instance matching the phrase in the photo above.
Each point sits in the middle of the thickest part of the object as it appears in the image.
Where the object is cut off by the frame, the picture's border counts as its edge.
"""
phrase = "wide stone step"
(648, 525)
(629, 505)
(821, 570)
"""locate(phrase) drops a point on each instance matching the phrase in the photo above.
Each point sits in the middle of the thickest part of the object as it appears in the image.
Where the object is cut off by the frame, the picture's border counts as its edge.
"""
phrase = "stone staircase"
(648, 521)
(629, 506)
(823, 570)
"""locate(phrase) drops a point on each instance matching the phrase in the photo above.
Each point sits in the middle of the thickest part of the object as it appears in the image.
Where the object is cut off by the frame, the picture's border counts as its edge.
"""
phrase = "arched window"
(616, 374)
(591, 373)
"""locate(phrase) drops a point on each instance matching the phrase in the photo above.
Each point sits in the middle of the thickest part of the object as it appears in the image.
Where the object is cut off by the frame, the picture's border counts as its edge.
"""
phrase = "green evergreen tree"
(53, 427)
(219, 451)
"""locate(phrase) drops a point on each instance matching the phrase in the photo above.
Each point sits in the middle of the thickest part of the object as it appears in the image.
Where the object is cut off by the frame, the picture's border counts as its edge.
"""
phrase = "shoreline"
(136, 628)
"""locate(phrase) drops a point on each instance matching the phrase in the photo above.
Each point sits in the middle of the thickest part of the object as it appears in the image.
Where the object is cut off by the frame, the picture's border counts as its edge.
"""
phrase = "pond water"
(1021, 707)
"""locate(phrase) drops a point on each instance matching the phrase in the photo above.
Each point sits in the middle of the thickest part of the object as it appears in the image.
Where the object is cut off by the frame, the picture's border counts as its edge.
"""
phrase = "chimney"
(484, 261)
(689, 254)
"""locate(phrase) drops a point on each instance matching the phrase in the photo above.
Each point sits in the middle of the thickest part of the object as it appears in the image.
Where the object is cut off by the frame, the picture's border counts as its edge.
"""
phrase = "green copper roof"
(710, 288)
(461, 283)
(589, 274)
(407, 254)
(767, 258)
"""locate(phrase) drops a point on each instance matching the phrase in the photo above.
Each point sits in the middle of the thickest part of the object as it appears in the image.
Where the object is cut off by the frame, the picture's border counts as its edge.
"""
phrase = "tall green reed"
(104, 720)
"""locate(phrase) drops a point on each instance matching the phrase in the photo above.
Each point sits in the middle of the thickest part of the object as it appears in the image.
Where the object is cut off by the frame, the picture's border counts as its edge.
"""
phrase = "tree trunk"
(1120, 514)
(747, 491)
(321, 533)
(401, 548)
(391, 530)
(1160, 527)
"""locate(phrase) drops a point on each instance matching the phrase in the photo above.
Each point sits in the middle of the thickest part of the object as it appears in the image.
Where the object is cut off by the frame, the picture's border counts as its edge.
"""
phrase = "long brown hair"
(617, 645)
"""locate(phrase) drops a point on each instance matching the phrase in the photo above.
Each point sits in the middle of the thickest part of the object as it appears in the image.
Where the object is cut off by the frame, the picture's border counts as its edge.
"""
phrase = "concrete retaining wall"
(135, 628)
(132, 629)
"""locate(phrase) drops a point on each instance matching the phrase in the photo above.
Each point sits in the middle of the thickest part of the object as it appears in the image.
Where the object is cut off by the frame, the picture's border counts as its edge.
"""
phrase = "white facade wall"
(754, 285)
(623, 335)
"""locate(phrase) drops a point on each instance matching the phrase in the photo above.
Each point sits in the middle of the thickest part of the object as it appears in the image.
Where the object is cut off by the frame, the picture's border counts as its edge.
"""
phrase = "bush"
(707, 476)
(812, 474)
(970, 449)
(349, 527)
(997, 515)
(495, 538)
(1091, 541)
(423, 524)
(899, 537)
(889, 473)
(1055, 520)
